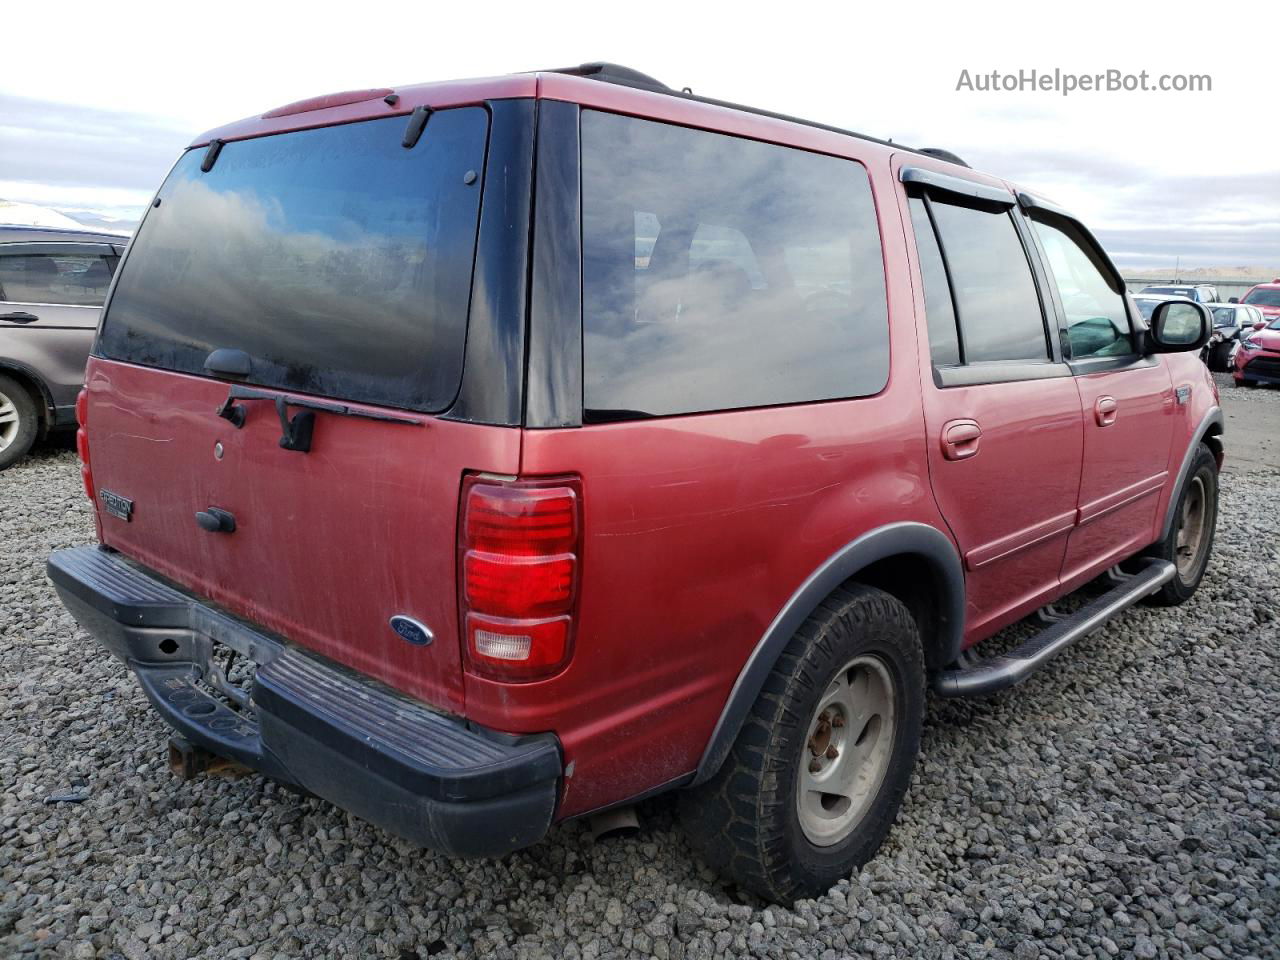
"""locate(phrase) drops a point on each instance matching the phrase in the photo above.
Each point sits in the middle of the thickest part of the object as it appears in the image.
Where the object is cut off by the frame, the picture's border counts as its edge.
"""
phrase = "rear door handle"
(1104, 411)
(19, 317)
(960, 439)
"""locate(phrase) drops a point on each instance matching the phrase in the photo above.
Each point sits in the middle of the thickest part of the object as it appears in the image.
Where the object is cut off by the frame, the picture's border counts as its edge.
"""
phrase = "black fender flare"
(1212, 418)
(894, 539)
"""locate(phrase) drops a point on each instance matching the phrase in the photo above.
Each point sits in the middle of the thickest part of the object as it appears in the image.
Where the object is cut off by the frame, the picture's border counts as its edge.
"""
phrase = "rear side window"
(1092, 296)
(721, 273)
(996, 303)
(61, 275)
(337, 259)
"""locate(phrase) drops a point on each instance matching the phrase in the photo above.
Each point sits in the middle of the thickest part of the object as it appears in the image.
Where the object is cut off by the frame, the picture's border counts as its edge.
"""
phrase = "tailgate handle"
(216, 520)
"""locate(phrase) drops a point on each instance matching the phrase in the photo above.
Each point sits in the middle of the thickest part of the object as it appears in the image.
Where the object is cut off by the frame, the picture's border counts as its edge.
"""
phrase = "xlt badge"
(116, 505)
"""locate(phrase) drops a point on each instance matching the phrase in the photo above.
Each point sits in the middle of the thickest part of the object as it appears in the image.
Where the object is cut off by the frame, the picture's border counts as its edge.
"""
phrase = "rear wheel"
(1190, 541)
(814, 781)
(19, 421)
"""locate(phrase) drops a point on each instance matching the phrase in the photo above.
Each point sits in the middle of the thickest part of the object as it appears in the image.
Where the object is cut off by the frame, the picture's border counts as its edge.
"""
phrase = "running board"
(996, 673)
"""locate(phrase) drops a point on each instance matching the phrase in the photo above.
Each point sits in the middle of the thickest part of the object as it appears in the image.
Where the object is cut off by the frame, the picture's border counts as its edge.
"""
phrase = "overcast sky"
(97, 100)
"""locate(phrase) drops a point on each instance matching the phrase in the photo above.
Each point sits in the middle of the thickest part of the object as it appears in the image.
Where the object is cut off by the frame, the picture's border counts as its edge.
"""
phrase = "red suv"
(479, 455)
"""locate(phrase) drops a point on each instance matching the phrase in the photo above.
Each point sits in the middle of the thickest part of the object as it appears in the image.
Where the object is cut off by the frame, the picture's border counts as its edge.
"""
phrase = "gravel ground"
(1125, 802)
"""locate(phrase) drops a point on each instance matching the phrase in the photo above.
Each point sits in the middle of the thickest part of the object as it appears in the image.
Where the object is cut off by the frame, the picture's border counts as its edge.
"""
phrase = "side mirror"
(1234, 300)
(1259, 324)
(1178, 325)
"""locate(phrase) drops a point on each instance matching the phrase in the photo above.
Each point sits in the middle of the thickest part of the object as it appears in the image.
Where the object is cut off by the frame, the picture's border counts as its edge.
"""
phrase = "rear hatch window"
(336, 258)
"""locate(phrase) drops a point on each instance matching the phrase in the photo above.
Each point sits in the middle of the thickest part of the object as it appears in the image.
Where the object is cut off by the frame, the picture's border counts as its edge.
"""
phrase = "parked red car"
(1257, 358)
(479, 455)
(1266, 297)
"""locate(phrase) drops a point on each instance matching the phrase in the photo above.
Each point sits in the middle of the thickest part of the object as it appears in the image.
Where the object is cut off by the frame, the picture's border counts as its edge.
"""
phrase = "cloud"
(67, 155)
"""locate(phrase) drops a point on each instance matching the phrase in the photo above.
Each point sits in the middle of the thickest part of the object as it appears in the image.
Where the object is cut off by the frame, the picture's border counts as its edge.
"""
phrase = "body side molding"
(1211, 419)
(895, 539)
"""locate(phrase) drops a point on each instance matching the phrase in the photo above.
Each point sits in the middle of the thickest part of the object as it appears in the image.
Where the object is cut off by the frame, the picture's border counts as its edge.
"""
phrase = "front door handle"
(960, 439)
(19, 317)
(1104, 411)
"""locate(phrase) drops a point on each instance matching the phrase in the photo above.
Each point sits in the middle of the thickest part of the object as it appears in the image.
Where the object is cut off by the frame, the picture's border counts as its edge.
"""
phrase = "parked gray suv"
(52, 284)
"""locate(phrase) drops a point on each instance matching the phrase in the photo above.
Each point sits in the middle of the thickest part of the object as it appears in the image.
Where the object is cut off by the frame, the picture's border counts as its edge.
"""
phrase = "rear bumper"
(425, 776)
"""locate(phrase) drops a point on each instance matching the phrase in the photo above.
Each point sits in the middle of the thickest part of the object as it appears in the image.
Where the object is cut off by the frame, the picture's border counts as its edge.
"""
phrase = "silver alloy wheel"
(9, 422)
(1191, 529)
(845, 757)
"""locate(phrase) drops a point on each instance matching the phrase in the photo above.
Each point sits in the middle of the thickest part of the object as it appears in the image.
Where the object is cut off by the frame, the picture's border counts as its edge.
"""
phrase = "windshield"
(338, 260)
(1266, 297)
(1224, 316)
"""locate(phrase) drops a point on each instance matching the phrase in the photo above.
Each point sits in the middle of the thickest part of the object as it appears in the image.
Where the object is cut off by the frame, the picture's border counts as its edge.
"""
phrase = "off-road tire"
(745, 820)
(23, 432)
(1204, 471)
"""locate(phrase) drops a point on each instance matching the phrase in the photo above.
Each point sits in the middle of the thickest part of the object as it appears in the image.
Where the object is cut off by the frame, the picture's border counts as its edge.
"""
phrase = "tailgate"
(331, 267)
(328, 545)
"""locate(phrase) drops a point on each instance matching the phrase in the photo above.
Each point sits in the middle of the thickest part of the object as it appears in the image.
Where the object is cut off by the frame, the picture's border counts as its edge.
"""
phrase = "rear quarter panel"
(698, 529)
(55, 356)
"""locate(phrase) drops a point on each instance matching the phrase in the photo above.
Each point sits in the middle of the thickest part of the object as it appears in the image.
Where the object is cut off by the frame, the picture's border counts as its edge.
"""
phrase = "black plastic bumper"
(430, 778)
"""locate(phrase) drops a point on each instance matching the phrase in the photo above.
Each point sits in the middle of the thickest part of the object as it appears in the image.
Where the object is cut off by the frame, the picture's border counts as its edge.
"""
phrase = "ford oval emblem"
(410, 629)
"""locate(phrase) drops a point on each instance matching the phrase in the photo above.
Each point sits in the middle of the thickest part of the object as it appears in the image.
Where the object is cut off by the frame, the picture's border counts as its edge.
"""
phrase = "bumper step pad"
(429, 777)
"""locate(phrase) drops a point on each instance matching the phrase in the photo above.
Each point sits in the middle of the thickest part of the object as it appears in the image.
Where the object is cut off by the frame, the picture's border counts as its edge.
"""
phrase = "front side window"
(70, 279)
(1092, 296)
(721, 273)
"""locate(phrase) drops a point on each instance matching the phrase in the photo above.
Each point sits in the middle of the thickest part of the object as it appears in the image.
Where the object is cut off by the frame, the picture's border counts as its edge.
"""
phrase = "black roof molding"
(957, 186)
(627, 77)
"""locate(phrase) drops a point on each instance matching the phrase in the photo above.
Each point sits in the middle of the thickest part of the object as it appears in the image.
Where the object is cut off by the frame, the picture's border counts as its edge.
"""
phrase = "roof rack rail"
(615, 73)
(627, 77)
(940, 154)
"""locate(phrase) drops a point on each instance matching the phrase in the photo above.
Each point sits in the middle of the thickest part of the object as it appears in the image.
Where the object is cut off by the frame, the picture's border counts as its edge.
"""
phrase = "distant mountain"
(96, 221)
(15, 213)
(1189, 274)
(30, 215)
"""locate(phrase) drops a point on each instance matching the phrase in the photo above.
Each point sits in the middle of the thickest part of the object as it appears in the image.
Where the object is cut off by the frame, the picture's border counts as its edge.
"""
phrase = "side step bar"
(996, 673)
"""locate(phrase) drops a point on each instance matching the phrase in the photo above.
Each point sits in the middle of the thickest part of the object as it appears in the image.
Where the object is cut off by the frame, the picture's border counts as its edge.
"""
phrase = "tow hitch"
(187, 761)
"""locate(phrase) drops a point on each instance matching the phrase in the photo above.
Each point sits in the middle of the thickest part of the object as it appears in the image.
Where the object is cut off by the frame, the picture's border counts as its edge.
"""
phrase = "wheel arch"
(1209, 432)
(915, 562)
(35, 385)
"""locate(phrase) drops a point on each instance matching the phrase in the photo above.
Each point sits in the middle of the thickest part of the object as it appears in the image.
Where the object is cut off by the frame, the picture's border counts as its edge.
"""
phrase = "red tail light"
(519, 559)
(82, 442)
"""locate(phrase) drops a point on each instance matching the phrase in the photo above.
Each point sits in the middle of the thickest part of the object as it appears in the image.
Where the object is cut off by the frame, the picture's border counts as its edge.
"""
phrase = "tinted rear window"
(337, 259)
(722, 273)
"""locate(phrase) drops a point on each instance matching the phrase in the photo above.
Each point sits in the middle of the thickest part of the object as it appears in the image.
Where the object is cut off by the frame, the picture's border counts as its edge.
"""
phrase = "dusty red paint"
(697, 528)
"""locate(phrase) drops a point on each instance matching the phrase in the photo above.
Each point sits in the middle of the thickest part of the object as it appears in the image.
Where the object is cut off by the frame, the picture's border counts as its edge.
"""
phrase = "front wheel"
(815, 778)
(1190, 541)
